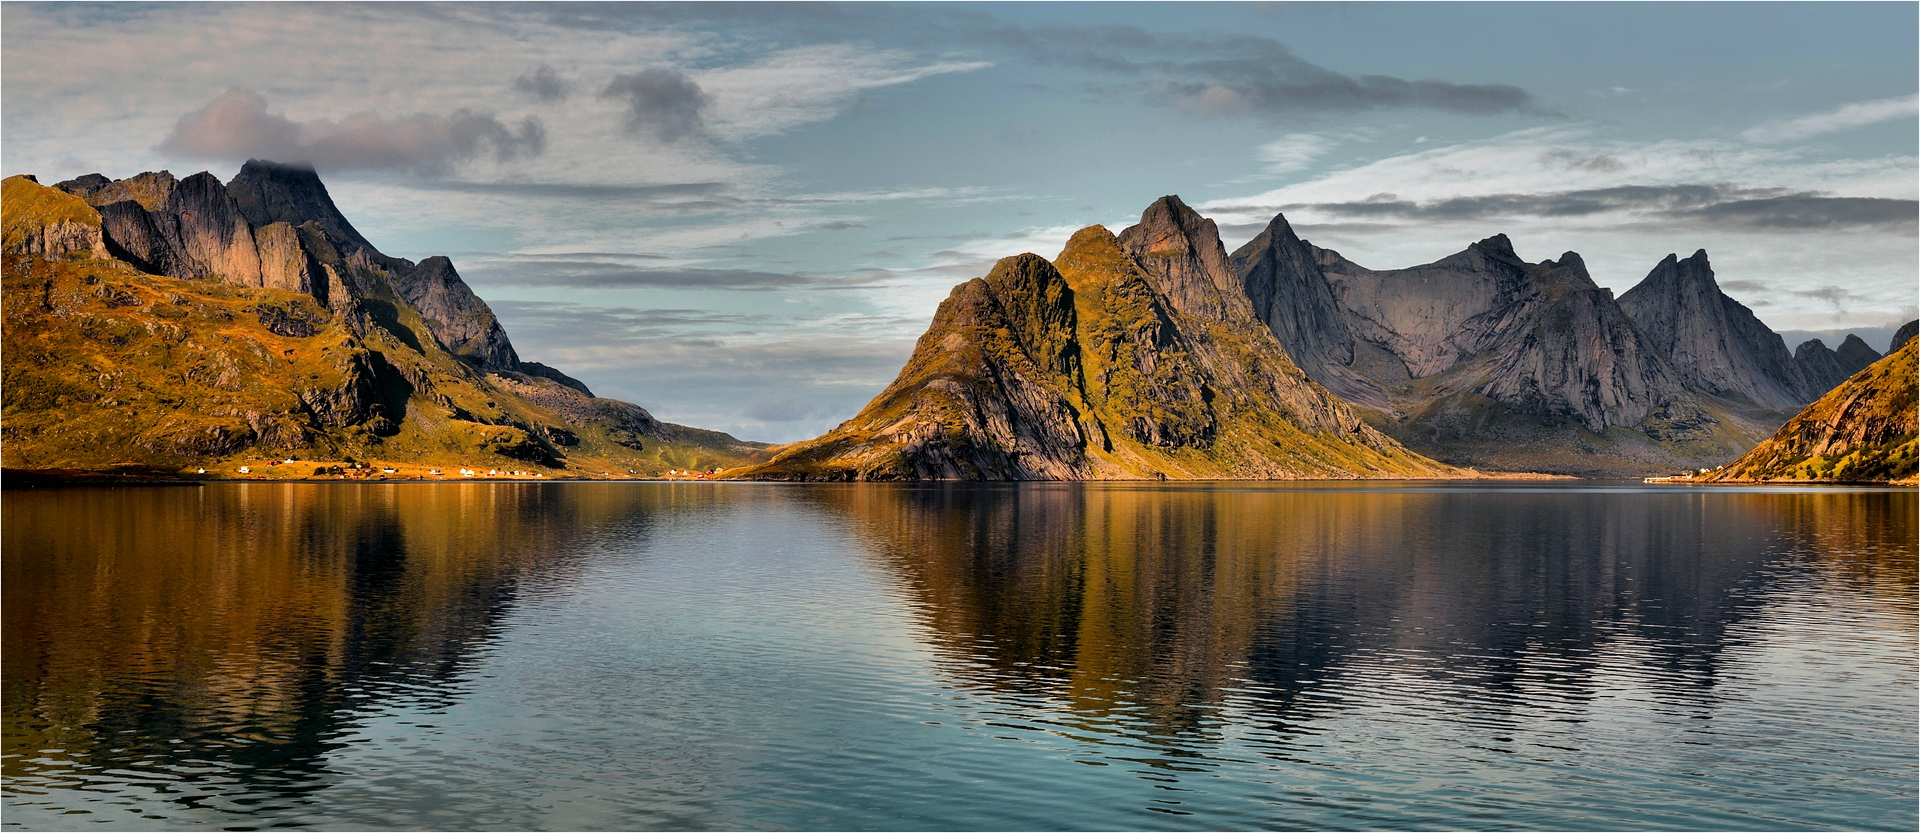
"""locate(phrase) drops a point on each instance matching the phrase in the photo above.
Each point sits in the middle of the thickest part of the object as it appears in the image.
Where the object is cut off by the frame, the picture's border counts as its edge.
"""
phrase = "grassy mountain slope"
(110, 368)
(1862, 431)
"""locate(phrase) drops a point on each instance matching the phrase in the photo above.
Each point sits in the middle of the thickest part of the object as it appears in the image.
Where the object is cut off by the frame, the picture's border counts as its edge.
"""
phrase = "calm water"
(591, 656)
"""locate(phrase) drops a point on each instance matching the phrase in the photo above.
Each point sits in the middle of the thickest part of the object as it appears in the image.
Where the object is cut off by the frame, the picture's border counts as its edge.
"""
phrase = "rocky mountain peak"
(1716, 343)
(1855, 349)
(1499, 247)
(1901, 336)
(1181, 253)
(1283, 278)
(271, 192)
(152, 190)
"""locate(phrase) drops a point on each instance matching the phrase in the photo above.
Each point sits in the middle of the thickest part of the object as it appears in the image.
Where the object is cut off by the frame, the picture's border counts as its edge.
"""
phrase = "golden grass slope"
(1862, 431)
(107, 368)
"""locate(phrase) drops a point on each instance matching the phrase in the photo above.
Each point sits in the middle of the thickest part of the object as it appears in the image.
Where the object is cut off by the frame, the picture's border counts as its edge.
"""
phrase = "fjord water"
(744, 656)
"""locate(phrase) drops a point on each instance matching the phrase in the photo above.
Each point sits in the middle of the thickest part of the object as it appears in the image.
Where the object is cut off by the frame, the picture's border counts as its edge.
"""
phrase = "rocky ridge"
(1130, 356)
(157, 324)
(1483, 359)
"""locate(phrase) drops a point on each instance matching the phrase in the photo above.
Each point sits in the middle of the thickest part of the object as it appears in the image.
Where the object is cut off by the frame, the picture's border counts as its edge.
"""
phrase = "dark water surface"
(600, 655)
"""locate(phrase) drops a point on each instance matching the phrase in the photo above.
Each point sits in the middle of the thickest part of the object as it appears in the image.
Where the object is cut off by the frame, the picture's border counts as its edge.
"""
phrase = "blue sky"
(741, 217)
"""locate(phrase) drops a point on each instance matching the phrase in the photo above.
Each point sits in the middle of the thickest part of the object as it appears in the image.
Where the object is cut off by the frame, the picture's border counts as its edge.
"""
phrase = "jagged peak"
(1498, 246)
(1279, 227)
(274, 192)
(1168, 219)
(1092, 258)
(151, 189)
(1676, 275)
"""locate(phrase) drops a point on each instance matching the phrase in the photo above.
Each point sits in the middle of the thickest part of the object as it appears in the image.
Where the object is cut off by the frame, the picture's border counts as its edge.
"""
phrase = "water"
(755, 656)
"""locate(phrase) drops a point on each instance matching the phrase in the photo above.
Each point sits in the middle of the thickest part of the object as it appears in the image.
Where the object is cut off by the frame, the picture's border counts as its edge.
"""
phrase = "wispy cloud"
(1858, 114)
(1710, 204)
(1293, 152)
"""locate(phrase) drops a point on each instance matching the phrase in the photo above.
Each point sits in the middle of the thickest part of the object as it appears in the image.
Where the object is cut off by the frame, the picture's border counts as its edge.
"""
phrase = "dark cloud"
(543, 84)
(1244, 74)
(592, 274)
(1720, 206)
(661, 102)
(236, 126)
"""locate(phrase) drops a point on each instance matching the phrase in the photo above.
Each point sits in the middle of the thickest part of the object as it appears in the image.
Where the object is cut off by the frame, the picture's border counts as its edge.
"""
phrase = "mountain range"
(163, 324)
(1153, 353)
(1483, 359)
(1135, 355)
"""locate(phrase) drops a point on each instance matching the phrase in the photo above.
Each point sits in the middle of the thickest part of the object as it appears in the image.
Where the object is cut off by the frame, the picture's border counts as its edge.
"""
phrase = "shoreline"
(20, 478)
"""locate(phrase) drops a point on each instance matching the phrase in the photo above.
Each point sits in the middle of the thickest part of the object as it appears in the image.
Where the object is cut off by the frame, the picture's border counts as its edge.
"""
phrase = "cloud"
(236, 126)
(1858, 114)
(1293, 152)
(1705, 204)
(1243, 74)
(543, 84)
(595, 274)
(662, 102)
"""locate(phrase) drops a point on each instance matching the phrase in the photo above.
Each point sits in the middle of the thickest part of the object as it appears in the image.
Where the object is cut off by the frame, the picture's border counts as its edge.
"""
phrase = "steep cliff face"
(155, 360)
(1715, 342)
(1431, 317)
(460, 321)
(269, 192)
(1129, 356)
(1289, 292)
(46, 223)
(1824, 368)
(1863, 430)
(1579, 357)
(1483, 359)
(188, 228)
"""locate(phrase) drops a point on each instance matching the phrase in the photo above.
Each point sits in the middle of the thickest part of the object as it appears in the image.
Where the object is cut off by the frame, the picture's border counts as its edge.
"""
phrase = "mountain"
(157, 324)
(1129, 356)
(1825, 368)
(1862, 431)
(1717, 344)
(1901, 336)
(1483, 359)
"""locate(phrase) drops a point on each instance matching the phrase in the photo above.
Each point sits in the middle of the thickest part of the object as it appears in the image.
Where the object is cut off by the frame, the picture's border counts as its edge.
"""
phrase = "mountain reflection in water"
(956, 656)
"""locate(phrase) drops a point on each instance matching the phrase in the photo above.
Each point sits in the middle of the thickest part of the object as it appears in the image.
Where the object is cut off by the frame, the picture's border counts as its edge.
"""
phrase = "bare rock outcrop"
(1715, 342)
(1825, 368)
(460, 321)
(1289, 292)
(1903, 335)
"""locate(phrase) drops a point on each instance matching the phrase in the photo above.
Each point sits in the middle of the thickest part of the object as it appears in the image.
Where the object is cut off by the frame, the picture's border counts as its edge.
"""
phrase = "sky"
(742, 216)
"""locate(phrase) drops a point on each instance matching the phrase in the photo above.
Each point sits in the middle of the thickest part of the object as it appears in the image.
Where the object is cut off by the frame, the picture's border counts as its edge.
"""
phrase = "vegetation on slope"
(111, 368)
(1862, 431)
